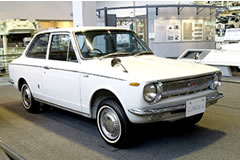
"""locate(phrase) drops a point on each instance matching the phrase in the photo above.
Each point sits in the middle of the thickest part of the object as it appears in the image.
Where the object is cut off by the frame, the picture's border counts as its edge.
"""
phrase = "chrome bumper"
(209, 101)
(11, 81)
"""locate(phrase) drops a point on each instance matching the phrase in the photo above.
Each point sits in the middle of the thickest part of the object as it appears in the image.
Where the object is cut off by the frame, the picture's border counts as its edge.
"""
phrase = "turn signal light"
(134, 84)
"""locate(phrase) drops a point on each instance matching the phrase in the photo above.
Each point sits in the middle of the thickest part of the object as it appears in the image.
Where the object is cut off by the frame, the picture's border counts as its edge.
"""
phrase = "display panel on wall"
(173, 30)
(209, 30)
(192, 30)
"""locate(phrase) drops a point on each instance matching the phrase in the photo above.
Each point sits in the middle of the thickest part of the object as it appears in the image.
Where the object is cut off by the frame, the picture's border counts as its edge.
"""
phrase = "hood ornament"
(192, 84)
(116, 62)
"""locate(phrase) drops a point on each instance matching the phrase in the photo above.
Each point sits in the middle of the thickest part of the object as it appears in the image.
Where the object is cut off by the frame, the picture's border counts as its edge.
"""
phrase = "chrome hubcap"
(110, 123)
(26, 97)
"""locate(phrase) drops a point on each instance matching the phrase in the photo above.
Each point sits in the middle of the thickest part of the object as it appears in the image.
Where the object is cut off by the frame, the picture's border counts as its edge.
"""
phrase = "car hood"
(222, 58)
(148, 68)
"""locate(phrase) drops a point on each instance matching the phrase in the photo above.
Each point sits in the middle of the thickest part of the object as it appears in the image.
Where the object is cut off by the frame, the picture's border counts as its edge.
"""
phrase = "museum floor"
(58, 135)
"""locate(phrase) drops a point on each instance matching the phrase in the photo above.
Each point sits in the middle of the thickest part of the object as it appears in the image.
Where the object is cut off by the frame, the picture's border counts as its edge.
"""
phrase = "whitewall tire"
(27, 99)
(112, 123)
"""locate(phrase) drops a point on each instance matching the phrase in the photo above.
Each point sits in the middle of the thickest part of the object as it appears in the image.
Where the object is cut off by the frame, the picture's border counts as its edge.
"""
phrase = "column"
(84, 13)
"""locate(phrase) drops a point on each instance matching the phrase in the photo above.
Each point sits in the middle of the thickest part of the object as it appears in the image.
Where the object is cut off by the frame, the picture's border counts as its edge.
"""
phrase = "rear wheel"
(112, 123)
(28, 101)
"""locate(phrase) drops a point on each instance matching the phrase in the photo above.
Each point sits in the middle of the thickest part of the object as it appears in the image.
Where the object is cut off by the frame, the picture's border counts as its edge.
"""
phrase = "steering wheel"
(95, 49)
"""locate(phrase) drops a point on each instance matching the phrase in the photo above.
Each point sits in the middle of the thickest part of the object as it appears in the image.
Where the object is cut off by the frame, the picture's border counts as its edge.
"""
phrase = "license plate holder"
(195, 106)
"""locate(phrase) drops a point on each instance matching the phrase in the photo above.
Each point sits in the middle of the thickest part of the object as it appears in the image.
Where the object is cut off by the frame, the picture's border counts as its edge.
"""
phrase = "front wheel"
(113, 123)
(28, 101)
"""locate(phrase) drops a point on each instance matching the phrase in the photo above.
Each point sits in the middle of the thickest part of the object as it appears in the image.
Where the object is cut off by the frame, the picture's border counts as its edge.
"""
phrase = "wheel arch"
(21, 81)
(99, 96)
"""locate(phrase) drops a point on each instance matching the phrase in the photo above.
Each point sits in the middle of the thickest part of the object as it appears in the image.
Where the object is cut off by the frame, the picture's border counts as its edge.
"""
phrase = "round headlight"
(150, 92)
(216, 82)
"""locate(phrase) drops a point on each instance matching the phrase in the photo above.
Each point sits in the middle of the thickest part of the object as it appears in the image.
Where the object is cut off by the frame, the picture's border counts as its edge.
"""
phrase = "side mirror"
(115, 61)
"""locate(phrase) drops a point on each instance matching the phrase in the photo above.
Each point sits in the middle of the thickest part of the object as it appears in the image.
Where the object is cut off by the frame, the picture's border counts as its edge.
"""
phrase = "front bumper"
(174, 110)
(209, 99)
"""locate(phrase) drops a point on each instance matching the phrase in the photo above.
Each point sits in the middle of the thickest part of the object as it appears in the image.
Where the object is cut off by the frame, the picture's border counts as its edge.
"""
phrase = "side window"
(61, 48)
(196, 54)
(192, 54)
(38, 48)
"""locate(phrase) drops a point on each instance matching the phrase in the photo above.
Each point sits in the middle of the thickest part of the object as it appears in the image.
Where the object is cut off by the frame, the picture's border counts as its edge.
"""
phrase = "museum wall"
(46, 10)
(170, 34)
(192, 30)
(162, 41)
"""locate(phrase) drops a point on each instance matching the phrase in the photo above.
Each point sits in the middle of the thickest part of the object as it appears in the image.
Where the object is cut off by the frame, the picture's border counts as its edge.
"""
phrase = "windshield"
(107, 43)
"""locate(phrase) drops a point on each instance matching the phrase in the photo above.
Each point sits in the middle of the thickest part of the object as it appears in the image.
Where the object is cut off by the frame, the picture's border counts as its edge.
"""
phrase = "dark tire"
(112, 123)
(28, 101)
(190, 121)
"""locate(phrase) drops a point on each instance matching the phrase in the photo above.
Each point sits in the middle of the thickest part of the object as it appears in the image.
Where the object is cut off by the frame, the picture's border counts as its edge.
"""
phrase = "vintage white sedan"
(110, 75)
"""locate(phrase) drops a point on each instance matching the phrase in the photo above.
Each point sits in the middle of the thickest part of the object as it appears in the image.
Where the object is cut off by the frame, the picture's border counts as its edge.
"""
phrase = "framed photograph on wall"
(173, 30)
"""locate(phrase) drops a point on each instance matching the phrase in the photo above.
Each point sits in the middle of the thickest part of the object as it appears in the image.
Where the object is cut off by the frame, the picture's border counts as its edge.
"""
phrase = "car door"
(36, 58)
(60, 76)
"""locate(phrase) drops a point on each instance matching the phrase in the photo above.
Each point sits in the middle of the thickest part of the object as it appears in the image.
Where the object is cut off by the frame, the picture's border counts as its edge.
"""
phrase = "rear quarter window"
(38, 48)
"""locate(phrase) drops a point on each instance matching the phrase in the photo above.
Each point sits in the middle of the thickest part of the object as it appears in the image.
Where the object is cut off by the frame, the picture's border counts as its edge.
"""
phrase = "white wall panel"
(48, 10)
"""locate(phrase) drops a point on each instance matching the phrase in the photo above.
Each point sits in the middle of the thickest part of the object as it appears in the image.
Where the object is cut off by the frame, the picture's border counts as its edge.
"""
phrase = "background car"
(227, 59)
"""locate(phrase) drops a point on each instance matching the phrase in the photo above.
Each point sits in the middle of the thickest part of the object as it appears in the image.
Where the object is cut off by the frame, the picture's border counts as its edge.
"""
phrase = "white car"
(110, 75)
(226, 59)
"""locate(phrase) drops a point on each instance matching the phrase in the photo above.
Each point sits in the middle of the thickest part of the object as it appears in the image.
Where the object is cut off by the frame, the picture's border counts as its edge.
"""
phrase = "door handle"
(46, 67)
(85, 76)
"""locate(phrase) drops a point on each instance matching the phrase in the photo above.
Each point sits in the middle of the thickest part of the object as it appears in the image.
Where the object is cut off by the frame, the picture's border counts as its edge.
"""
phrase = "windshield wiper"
(143, 53)
(114, 54)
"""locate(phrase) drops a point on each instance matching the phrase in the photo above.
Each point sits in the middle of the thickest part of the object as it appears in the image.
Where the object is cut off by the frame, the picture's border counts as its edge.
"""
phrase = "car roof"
(82, 29)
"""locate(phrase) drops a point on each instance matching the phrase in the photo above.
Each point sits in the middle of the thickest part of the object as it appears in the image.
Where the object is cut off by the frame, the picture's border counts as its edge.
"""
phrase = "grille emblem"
(192, 84)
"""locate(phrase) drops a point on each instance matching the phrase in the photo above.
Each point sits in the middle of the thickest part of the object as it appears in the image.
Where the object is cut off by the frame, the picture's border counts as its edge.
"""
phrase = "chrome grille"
(186, 86)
